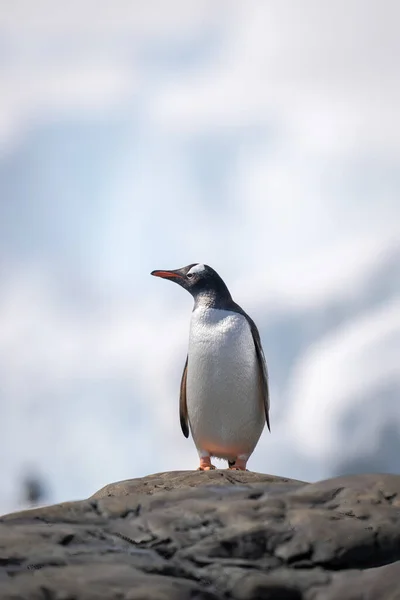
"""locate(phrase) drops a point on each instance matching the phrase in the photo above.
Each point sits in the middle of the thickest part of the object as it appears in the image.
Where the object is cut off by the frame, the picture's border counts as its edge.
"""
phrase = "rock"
(210, 535)
(177, 480)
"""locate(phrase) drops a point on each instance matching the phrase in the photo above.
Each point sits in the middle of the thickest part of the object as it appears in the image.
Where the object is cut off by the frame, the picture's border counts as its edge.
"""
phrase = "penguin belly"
(224, 401)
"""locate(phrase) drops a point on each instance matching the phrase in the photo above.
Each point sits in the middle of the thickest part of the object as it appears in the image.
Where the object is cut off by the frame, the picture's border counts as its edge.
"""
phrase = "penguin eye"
(190, 275)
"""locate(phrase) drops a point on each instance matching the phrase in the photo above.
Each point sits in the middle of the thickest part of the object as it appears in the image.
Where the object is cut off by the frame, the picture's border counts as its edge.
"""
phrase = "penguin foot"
(239, 464)
(205, 464)
(209, 468)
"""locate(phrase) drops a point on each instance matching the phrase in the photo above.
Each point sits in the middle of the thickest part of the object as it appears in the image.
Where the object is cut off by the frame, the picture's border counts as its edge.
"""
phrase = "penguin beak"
(167, 274)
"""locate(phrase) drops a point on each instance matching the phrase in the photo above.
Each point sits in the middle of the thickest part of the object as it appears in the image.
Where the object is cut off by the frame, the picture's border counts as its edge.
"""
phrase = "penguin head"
(198, 279)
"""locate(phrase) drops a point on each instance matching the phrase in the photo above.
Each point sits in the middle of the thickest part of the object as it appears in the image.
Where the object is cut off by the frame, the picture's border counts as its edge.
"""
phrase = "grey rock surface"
(209, 535)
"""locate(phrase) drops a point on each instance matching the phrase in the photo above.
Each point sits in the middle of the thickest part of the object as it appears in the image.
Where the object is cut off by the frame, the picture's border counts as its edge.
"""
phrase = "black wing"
(183, 415)
(263, 369)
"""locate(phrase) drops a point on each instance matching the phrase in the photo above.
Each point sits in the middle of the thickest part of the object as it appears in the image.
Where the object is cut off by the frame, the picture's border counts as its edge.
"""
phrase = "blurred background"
(261, 138)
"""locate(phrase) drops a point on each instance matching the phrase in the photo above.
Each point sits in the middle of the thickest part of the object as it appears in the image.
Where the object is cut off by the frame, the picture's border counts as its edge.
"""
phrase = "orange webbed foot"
(205, 464)
(238, 465)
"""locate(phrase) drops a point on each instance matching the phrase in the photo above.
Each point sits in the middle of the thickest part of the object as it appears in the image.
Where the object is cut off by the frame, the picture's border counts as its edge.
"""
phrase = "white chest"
(220, 341)
(223, 395)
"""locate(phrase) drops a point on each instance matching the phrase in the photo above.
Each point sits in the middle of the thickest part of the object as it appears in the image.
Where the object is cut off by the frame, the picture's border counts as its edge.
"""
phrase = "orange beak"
(166, 274)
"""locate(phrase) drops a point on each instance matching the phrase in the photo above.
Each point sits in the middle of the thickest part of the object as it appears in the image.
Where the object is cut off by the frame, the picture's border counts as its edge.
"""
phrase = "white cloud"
(99, 17)
(81, 56)
(325, 75)
(336, 375)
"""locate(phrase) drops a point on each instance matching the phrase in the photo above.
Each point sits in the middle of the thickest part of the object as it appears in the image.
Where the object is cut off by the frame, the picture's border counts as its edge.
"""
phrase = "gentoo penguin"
(224, 397)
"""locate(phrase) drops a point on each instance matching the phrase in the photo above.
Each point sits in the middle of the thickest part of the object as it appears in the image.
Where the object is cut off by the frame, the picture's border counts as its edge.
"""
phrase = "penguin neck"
(220, 299)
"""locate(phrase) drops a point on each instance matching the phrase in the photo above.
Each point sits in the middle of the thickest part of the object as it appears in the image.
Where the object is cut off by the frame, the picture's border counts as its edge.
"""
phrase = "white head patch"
(196, 269)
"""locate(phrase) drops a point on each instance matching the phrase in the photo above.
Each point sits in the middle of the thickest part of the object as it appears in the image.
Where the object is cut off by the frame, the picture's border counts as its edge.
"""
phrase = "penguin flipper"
(262, 365)
(183, 414)
(263, 371)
